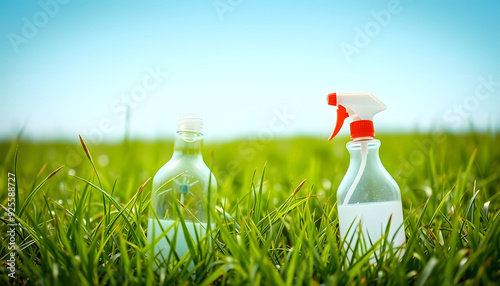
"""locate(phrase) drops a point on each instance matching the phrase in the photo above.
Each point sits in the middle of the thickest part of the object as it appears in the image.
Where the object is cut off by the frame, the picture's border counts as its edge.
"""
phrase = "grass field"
(86, 225)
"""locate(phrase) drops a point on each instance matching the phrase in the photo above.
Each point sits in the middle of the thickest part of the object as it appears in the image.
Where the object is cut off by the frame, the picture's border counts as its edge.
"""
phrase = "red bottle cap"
(362, 128)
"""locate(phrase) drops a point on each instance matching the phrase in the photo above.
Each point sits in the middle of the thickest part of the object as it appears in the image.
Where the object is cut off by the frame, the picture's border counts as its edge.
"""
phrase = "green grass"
(86, 223)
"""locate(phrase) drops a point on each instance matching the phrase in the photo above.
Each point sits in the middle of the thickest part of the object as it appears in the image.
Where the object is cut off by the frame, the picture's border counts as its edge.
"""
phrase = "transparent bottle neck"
(188, 143)
(355, 149)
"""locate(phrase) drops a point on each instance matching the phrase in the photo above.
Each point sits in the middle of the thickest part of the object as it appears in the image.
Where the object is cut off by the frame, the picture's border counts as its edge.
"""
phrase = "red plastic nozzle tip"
(362, 128)
(332, 99)
(341, 116)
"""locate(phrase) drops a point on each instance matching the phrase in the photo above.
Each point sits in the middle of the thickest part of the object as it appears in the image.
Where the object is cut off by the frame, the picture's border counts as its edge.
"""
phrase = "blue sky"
(250, 68)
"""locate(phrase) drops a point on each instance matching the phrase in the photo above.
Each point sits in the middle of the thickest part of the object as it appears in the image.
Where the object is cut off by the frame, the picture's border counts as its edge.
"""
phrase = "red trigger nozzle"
(341, 116)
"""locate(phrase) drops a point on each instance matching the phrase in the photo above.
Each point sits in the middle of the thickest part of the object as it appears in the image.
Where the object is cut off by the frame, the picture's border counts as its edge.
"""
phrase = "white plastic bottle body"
(367, 197)
(373, 219)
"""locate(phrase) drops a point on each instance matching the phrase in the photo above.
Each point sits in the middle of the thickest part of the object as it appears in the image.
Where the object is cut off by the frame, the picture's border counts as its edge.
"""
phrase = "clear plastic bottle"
(368, 196)
(185, 186)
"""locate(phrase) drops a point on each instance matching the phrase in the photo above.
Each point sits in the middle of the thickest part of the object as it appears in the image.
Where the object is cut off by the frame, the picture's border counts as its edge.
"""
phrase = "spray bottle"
(183, 189)
(367, 196)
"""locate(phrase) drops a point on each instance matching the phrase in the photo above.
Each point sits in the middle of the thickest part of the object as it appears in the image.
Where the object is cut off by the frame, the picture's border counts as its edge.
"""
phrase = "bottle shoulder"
(187, 167)
(371, 184)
